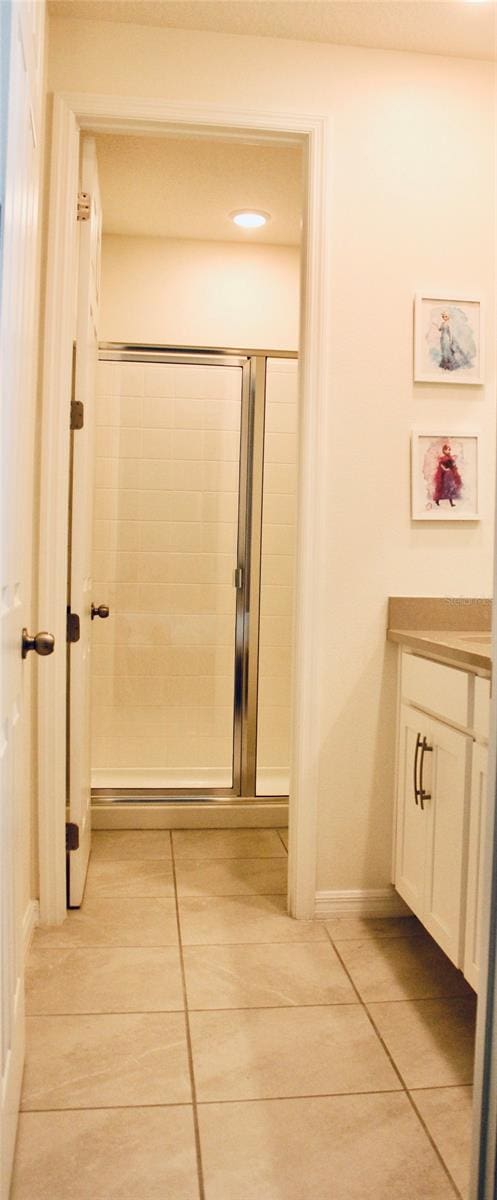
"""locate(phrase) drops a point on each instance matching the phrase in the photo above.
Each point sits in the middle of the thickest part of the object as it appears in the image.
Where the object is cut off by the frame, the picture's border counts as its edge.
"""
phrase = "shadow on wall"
(357, 777)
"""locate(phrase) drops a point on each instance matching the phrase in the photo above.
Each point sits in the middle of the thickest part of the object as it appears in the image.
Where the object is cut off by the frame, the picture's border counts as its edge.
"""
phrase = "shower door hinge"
(238, 578)
(77, 414)
(83, 210)
(72, 836)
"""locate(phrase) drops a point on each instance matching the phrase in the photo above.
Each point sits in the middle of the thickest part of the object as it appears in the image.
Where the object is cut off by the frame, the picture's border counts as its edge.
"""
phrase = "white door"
(444, 778)
(80, 582)
(23, 25)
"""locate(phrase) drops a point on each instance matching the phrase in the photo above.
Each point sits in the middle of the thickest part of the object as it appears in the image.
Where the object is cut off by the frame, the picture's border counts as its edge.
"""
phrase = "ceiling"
(187, 187)
(451, 27)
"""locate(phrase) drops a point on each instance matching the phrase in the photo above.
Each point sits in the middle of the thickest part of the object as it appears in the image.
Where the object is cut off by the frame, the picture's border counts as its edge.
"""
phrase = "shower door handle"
(99, 610)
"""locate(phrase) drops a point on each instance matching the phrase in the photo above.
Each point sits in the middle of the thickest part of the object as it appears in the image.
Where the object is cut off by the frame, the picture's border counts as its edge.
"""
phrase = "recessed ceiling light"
(250, 218)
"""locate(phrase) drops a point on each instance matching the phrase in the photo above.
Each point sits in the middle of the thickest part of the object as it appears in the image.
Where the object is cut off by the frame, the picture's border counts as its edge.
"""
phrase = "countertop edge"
(427, 645)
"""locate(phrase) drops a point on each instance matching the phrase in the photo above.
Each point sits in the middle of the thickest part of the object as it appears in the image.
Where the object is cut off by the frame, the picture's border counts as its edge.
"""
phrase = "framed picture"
(444, 476)
(448, 339)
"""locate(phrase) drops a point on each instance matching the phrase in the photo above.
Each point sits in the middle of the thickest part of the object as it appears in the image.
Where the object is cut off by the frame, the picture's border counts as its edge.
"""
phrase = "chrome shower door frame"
(248, 566)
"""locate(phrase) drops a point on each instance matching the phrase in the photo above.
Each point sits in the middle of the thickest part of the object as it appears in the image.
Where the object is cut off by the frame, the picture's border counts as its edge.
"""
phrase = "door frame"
(73, 113)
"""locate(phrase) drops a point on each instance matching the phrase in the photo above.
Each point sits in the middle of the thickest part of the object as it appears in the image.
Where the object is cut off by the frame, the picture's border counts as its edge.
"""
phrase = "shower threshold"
(151, 796)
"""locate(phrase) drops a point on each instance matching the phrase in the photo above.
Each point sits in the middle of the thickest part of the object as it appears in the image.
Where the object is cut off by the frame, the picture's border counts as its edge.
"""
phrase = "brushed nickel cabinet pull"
(425, 749)
(415, 779)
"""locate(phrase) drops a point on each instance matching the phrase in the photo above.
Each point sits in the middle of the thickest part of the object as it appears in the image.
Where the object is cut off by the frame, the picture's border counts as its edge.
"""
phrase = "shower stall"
(194, 541)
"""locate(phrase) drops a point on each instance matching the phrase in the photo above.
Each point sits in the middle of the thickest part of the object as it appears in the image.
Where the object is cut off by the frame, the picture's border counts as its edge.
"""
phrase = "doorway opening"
(194, 546)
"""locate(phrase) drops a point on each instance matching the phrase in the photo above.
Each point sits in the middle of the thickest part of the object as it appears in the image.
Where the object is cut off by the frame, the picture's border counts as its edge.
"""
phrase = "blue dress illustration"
(452, 354)
(454, 349)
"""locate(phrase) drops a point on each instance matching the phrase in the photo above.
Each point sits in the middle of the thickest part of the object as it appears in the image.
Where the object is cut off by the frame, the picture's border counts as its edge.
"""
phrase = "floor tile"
(447, 1113)
(431, 1041)
(265, 976)
(129, 878)
(228, 920)
(338, 1148)
(258, 1053)
(358, 928)
(401, 969)
(114, 922)
(116, 1154)
(130, 843)
(68, 980)
(227, 843)
(107, 1060)
(232, 877)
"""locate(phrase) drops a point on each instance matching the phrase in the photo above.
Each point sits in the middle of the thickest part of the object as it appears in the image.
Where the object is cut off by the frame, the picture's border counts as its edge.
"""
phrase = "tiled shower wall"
(166, 510)
(277, 578)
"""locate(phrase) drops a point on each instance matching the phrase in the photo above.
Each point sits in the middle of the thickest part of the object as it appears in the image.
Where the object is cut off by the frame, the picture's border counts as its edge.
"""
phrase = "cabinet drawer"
(441, 690)
(481, 721)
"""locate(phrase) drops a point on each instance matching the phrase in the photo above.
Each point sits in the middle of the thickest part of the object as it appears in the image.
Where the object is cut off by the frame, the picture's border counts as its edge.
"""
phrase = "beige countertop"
(454, 631)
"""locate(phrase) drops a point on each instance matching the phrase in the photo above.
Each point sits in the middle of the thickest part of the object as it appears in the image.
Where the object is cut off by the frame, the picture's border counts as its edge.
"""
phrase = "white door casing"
(145, 115)
(18, 381)
(82, 493)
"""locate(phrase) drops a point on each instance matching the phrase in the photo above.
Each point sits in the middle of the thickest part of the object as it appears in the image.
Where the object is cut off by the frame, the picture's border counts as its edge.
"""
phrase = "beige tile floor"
(188, 1041)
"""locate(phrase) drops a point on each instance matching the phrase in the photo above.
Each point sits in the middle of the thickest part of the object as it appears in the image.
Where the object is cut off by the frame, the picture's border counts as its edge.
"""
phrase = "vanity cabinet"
(440, 804)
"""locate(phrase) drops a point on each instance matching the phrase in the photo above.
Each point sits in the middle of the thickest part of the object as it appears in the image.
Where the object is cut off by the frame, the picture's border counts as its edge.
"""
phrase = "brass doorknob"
(43, 643)
(99, 611)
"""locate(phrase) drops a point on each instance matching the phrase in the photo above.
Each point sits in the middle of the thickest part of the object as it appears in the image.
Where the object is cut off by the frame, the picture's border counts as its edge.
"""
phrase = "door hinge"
(77, 414)
(84, 206)
(72, 836)
(73, 627)
(238, 578)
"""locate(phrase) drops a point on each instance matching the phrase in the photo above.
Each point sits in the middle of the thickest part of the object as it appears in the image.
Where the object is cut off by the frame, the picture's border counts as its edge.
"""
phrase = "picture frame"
(444, 475)
(448, 338)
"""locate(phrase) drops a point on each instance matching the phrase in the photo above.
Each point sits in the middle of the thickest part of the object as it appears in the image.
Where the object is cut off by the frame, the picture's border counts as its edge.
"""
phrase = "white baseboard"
(210, 815)
(360, 902)
(29, 922)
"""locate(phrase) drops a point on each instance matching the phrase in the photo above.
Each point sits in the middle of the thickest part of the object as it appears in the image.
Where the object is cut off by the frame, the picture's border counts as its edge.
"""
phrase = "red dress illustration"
(447, 484)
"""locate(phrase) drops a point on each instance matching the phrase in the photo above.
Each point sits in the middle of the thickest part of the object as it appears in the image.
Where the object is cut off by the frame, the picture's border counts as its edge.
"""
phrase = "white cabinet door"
(411, 823)
(430, 856)
(479, 776)
(443, 775)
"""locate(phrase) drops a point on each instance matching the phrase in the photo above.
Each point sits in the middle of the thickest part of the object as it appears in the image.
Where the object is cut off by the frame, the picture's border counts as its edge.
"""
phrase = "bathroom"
(404, 215)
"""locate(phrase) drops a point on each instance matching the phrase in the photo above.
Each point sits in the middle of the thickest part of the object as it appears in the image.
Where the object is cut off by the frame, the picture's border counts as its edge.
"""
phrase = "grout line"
(186, 896)
(175, 945)
(196, 1126)
(437, 1087)
(421, 999)
(110, 1012)
(106, 1107)
(398, 1073)
(302, 1096)
(231, 1100)
(152, 1012)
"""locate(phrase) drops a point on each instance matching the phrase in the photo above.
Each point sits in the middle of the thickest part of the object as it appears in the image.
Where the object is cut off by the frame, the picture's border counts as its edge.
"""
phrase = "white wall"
(194, 293)
(412, 206)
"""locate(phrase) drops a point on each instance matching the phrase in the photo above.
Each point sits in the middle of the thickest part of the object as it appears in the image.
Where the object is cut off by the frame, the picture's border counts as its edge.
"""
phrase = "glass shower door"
(168, 537)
